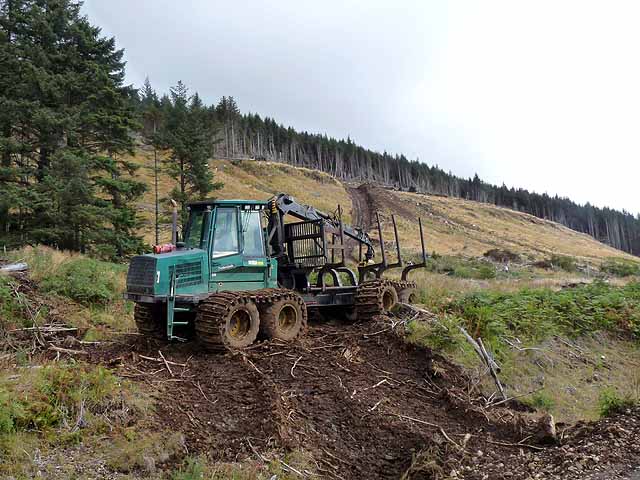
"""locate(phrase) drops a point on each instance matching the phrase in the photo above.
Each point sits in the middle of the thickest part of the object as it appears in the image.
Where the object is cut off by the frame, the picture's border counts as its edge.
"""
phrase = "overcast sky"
(543, 95)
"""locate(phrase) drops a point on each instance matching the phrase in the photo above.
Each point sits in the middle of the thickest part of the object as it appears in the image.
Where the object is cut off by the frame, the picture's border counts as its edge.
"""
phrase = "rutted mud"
(357, 397)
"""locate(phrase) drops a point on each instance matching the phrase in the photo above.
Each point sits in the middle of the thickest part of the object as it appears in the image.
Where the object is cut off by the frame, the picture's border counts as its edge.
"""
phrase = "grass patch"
(461, 267)
(541, 401)
(611, 403)
(58, 406)
(66, 397)
(621, 267)
(139, 450)
(82, 279)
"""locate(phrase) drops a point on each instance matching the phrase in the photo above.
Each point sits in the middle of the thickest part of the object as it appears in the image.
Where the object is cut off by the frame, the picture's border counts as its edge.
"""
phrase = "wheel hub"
(287, 318)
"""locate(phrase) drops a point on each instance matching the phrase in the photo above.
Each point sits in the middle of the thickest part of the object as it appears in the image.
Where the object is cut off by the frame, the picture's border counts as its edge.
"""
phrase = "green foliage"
(10, 309)
(621, 267)
(439, 336)
(186, 130)
(536, 314)
(193, 470)
(565, 262)
(84, 280)
(610, 403)
(56, 395)
(65, 128)
(461, 267)
(541, 401)
(11, 412)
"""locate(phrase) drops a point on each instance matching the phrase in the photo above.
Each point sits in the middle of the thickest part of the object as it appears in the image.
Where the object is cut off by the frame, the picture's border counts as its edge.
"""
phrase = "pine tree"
(187, 134)
(66, 119)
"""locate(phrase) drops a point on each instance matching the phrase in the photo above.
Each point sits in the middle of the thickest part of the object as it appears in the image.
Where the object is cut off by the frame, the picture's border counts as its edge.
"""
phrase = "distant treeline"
(251, 136)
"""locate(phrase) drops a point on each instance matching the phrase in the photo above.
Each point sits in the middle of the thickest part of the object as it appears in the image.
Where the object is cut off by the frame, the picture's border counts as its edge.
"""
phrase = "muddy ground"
(365, 404)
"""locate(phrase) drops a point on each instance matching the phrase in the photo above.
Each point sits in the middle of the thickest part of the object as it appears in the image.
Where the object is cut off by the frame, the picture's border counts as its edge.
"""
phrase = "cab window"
(194, 235)
(252, 234)
(225, 236)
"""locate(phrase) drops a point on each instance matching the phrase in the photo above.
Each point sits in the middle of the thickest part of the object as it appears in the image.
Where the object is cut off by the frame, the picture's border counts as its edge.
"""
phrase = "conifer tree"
(187, 133)
(66, 120)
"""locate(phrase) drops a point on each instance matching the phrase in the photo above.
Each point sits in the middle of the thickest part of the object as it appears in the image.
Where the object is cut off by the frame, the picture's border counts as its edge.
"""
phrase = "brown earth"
(363, 402)
(355, 396)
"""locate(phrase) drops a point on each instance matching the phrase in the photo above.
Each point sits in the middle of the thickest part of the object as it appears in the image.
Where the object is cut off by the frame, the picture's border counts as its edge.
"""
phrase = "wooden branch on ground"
(473, 343)
(444, 434)
(67, 350)
(44, 329)
(513, 398)
(492, 368)
(166, 364)
(486, 359)
(294, 366)
(160, 360)
(517, 445)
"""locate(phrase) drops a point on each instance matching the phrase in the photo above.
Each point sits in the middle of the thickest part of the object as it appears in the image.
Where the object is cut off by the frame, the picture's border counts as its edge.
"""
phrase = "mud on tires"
(285, 318)
(227, 320)
(376, 297)
(406, 290)
(149, 320)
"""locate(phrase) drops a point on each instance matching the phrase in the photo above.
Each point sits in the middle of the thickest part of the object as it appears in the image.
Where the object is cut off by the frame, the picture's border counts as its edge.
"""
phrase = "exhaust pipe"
(174, 222)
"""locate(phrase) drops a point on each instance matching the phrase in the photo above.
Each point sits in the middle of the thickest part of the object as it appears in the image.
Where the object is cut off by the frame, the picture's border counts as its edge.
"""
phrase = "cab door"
(238, 260)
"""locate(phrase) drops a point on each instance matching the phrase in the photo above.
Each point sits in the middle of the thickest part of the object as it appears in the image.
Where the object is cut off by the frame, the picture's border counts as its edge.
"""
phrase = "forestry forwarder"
(232, 279)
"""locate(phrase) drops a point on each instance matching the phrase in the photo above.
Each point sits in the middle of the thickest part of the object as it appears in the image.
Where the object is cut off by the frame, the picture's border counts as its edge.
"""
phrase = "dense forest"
(251, 136)
(68, 127)
(68, 124)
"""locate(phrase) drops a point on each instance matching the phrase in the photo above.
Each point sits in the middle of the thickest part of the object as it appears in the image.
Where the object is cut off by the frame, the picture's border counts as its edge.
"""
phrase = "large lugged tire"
(228, 319)
(406, 291)
(376, 297)
(285, 318)
(149, 320)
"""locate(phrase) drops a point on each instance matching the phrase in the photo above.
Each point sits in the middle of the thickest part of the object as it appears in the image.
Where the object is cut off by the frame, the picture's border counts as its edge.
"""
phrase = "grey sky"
(543, 95)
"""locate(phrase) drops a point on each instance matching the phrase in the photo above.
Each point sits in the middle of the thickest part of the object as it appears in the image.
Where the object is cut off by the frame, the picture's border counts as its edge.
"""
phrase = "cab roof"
(231, 202)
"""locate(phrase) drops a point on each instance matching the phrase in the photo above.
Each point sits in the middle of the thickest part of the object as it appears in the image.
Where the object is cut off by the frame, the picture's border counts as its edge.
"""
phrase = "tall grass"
(95, 288)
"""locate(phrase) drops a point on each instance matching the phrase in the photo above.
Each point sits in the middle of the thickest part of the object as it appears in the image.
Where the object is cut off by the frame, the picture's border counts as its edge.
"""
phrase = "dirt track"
(355, 396)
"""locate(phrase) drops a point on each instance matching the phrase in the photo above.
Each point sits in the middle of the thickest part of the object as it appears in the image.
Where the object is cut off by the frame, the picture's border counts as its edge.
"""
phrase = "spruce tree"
(187, 134)
(66, 120)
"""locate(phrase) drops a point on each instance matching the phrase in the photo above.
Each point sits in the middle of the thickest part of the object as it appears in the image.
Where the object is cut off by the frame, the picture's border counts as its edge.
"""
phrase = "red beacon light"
(165, 248)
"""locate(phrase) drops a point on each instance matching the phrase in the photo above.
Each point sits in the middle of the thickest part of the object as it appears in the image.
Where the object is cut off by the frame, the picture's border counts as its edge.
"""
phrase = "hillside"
(452, 226)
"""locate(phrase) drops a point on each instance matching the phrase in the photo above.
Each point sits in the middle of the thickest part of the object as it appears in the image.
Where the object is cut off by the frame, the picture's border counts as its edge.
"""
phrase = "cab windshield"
(225, 236)
(194, 235)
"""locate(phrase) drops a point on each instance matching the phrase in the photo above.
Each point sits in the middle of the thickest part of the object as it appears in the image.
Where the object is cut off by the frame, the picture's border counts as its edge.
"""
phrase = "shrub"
(193, 470)
(535, 314)
(610, 403)
(461, 267)
(84, 280)
(566, 263)
(502, 255)
(621, 267)
(541, 401)
(56, 396)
